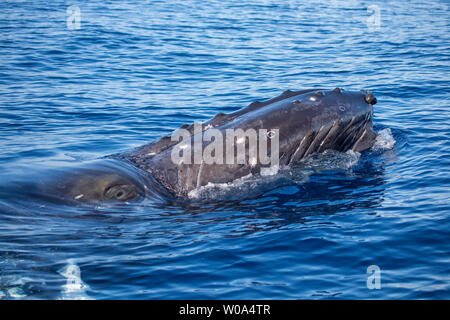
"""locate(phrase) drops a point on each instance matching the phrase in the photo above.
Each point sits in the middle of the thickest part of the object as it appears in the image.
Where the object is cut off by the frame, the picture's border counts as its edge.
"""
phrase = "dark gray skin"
(102, 180)
(308, 121)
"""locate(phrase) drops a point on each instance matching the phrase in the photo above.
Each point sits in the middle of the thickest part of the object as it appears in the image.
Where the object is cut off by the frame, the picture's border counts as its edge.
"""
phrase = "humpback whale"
(304, 122)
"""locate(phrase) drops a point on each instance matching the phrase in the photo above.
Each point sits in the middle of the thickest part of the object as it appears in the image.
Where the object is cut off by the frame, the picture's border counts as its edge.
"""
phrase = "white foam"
(352, 159)
(75, 288)
(217, 188)
(275, 175)
(331, 159)
(270, 171)
(384, 140)
(16, 293)
(15, 288)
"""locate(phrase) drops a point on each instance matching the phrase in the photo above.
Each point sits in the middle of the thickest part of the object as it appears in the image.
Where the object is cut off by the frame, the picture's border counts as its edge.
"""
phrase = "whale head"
(322, 119)
(304, 122)
(105, 180)
(311, 121)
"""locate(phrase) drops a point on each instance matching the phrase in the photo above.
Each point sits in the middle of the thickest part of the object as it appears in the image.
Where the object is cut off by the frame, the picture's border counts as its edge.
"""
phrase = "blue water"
(136, 70)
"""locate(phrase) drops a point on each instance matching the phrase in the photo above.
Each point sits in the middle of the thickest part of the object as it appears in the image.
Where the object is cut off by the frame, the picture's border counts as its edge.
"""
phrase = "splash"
(331, 160)
(275, 176)
(270, 171)
(75, 288)
(384, 140)
(16, 293)
(220, 189)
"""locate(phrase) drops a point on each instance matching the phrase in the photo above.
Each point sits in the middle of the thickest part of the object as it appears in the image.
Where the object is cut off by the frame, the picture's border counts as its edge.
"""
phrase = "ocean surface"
(86, 79)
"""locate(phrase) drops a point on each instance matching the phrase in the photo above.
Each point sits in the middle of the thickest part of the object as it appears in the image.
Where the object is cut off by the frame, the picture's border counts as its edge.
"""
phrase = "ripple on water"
(136, 71)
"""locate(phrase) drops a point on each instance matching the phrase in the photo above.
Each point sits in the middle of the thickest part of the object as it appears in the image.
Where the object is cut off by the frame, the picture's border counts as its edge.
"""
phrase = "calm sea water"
(135, 70)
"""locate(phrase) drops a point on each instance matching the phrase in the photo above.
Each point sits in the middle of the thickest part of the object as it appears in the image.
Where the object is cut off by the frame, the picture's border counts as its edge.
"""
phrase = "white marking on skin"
(360, 138)
(318, 132)
(313, 143)
(296, 151)
(79, 196)
(329, 132)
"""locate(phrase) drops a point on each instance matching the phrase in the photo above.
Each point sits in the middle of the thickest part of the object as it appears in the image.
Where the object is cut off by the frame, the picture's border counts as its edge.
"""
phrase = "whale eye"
(120, 192)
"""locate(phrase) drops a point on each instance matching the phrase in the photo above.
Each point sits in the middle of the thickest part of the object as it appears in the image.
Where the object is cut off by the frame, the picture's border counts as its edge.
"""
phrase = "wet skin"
(309, 121)
(104, 180)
